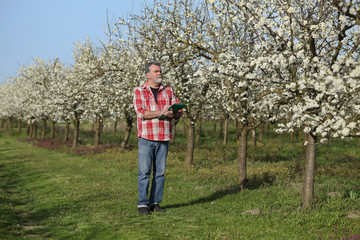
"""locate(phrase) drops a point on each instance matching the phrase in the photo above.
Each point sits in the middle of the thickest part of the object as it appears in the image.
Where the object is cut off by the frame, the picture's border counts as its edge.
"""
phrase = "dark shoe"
(144, 211)
(157, 208)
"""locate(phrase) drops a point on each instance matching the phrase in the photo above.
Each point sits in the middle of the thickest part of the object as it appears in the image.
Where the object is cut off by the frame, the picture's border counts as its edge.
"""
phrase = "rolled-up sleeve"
(138, 104)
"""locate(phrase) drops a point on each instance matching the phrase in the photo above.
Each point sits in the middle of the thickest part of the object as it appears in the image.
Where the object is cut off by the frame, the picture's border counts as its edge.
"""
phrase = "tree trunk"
(76, 130)
(129, 123)
(226, 130)
(34, 130)
(1, 123)
(10, 123)
(198, 132)
(97, 130)
(19, 125)
(29, 129)
(221, 133)
(115, 125)
(52, 129)
(67, 127)
(214, 130)
(242, 156)
(309, 175)
(43, 129)
(190, 142)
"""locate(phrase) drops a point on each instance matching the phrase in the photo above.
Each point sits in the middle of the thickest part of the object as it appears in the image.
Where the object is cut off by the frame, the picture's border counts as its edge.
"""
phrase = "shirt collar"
(146, 85)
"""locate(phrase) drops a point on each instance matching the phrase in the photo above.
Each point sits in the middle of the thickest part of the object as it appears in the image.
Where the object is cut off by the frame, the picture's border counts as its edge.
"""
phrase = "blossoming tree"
(313, 51)
(156, 35)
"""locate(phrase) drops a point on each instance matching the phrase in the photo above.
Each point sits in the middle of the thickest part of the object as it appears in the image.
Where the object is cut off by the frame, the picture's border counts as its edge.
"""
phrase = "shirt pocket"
(165, 98)
(150, 104)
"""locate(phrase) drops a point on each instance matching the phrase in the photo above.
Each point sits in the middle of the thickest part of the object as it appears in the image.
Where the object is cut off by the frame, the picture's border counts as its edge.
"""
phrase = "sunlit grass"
(57, 194)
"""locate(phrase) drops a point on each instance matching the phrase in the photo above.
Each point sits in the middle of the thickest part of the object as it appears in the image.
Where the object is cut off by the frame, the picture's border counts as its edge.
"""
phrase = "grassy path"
(54, 195)
(45, 192)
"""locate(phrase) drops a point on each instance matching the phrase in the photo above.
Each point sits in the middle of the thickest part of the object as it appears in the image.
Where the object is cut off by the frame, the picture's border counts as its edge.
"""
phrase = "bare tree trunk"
(309, 175)
(291, 136)
(52, 129)
(76, 130)
(1, 123)
(242, 156)
(226, 130)
(19, 125)
(190, 142)
(198, 131)
(67, 127)
(97, 130)
(43, 128)
(214, 130)
(129, 123)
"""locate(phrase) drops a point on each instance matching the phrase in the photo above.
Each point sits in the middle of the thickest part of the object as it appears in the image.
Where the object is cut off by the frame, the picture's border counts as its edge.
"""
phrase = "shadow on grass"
(216, 195)
(252, 184)
(10, 218)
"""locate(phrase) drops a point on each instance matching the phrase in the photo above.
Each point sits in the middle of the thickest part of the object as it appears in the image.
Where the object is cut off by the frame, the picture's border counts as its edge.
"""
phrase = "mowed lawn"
(56, 195)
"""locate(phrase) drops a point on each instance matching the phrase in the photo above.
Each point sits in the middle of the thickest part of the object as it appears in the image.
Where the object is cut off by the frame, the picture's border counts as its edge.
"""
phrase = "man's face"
(154, 76)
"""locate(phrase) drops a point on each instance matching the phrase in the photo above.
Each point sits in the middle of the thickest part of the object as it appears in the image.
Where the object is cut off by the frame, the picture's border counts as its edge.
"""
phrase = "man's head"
(153, 73)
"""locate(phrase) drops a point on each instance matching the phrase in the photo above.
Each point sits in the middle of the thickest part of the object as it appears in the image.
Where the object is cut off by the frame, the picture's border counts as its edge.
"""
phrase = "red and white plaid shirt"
(144, 100)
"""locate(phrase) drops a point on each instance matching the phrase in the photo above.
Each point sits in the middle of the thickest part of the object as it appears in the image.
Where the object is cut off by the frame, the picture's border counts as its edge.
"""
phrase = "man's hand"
(166, 112)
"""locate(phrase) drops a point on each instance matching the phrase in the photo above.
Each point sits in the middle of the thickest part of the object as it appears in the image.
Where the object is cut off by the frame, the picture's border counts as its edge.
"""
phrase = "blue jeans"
(152, 154)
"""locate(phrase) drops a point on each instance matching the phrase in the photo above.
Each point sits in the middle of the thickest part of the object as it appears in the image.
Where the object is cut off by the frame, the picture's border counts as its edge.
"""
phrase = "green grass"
(58, 195)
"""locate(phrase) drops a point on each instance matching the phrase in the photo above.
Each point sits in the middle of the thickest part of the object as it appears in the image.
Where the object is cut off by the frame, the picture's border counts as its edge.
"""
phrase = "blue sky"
(48, 28)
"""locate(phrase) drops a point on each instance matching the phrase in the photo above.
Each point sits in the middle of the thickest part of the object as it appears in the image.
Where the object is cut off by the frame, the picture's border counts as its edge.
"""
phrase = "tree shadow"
(11, 217)
(253, 183)
(214, 196)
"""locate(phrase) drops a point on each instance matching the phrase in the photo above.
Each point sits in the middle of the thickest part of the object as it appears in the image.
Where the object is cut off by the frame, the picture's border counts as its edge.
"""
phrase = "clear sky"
(48, 28)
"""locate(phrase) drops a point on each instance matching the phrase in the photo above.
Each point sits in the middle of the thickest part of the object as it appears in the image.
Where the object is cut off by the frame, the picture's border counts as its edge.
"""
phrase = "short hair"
(148, 65)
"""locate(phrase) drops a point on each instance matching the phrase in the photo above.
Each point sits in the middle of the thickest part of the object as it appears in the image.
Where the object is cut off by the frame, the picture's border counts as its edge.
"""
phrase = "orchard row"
(295, 63)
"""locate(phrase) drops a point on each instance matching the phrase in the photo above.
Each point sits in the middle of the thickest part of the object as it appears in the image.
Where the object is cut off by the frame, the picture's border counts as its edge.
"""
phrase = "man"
(151, 100)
